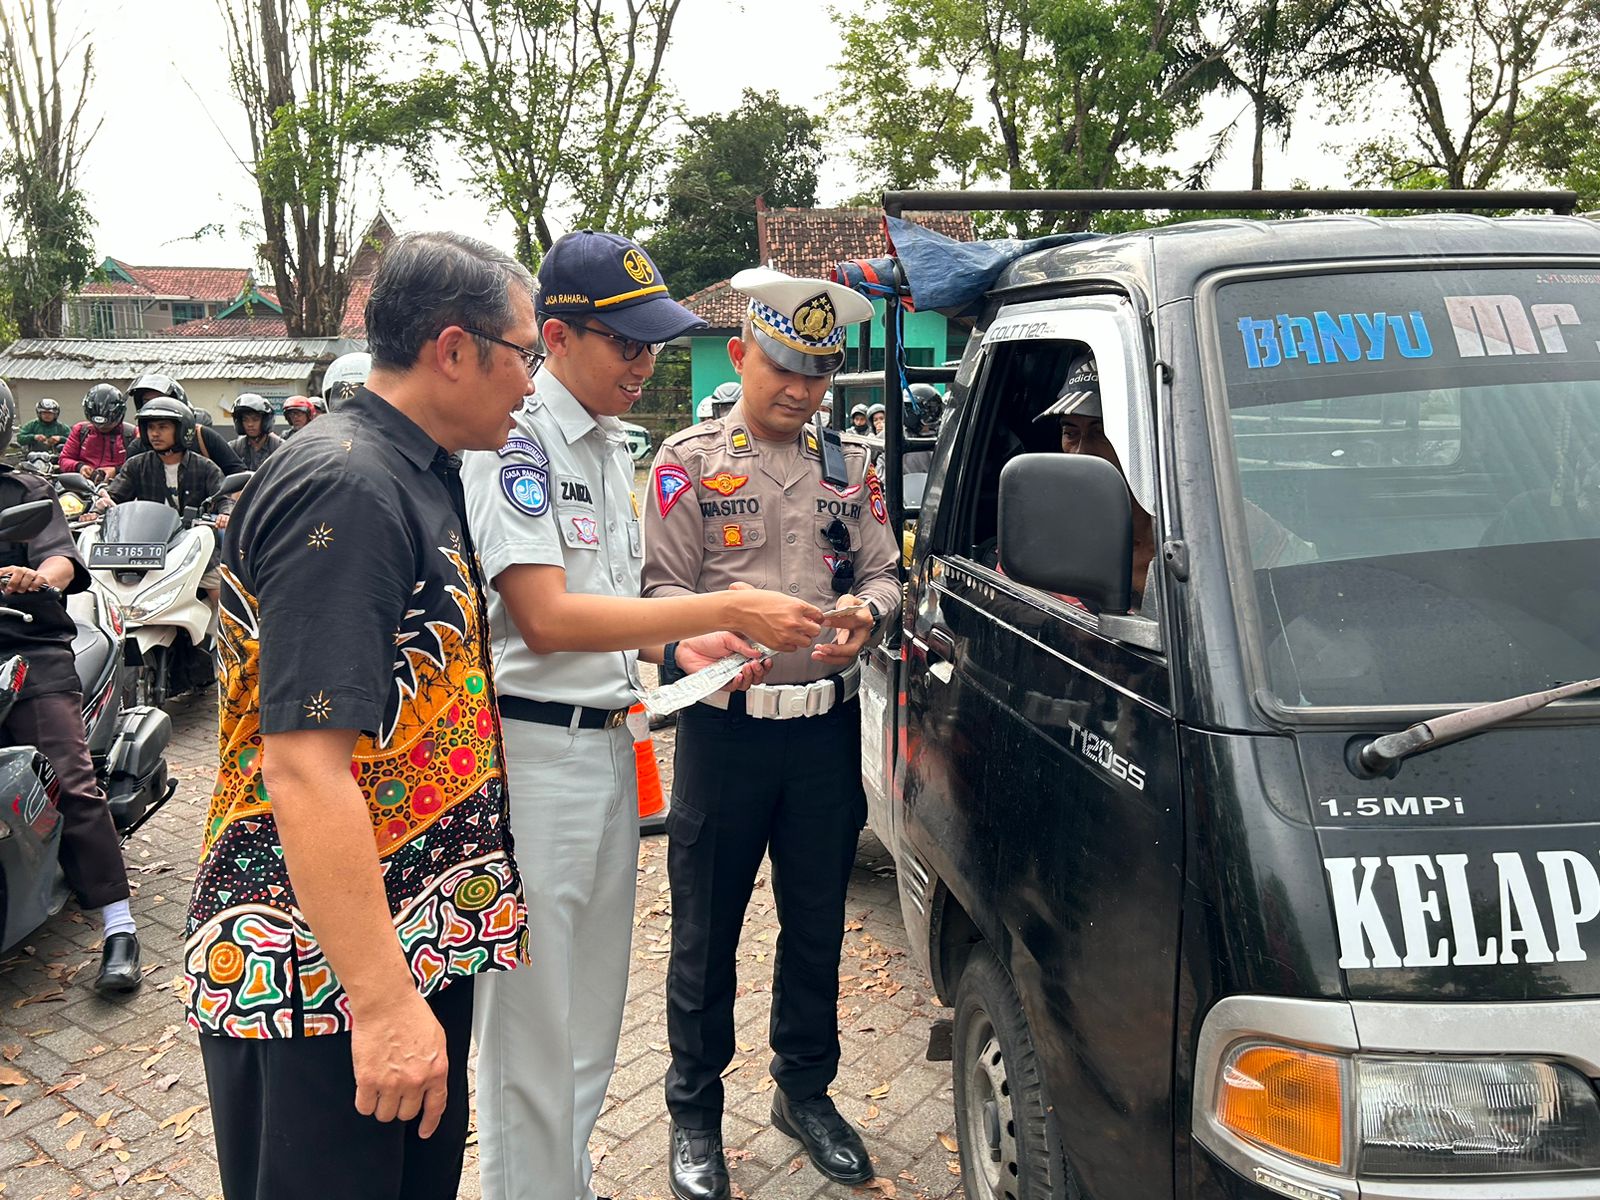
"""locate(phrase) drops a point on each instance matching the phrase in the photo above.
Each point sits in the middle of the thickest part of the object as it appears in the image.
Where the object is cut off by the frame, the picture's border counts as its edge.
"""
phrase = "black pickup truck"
(1237, 878)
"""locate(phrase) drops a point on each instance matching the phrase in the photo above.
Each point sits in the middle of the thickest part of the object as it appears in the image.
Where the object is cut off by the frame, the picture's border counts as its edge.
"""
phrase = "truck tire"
(1009, 1148)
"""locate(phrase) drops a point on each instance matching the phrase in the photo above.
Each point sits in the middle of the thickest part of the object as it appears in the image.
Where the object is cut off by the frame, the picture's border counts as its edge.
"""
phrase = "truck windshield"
(1417, 458)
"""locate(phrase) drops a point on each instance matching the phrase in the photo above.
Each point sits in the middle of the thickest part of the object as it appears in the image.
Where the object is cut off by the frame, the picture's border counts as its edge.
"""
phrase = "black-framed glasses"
(531, 358)
(844, 569)
(631, 349)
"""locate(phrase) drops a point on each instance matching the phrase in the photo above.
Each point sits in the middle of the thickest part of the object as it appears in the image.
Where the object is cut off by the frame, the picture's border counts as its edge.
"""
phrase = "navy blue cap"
(587, 273)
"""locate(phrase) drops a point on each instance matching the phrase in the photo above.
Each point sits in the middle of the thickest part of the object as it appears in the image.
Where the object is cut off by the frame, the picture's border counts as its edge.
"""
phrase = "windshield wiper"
(1381, 753)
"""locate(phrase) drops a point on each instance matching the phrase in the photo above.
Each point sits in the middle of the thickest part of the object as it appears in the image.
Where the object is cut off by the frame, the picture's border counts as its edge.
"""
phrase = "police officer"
(554, 519)
(49, 714)
(764, 497)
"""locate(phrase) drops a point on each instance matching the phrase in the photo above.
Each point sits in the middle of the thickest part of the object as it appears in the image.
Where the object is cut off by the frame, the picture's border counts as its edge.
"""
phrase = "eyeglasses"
(630, 349)
(531, 358)
(844, 570)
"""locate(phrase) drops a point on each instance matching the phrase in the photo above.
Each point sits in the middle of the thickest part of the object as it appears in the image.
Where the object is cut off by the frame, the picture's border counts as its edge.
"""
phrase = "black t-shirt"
(46, 641)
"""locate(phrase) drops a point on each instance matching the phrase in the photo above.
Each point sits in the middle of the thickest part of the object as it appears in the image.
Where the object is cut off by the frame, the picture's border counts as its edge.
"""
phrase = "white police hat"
(800, 323)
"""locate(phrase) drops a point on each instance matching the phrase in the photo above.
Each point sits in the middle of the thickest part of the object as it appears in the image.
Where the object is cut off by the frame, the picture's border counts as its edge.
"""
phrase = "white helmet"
(344, 375)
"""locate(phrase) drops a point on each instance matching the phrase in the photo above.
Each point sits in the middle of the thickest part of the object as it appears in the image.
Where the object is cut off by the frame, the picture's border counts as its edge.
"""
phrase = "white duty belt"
(783, 701)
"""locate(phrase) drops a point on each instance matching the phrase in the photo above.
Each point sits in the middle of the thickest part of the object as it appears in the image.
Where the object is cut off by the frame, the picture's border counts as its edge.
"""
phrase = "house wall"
(129, 317)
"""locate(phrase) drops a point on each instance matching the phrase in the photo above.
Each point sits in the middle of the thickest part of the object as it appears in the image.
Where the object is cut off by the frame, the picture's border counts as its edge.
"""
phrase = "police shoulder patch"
(875, 501)
(672, 481)
(527, 487)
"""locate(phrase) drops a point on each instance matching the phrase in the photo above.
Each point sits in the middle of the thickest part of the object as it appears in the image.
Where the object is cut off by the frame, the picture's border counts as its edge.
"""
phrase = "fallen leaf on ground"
(76, 1139)
(103, 1119)
(150, 1176)
(949, 1143)
(872, 1113)
(10, 1051)
(184, 1117)
(67, 1118)
(66, 1085)
(879, 1092)
(11, 1077)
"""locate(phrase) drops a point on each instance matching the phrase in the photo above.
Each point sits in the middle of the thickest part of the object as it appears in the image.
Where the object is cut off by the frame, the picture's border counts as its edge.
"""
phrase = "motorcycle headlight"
(71, 505)
(1394, 1115)
(158, 596)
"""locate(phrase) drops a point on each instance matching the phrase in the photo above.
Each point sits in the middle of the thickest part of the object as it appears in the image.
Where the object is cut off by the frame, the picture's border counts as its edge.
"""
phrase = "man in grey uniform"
(764, 497)
(558, 532)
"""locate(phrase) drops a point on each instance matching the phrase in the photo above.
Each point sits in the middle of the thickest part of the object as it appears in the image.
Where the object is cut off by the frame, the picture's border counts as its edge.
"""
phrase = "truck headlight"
(1473, 1116)
(1396, 1115)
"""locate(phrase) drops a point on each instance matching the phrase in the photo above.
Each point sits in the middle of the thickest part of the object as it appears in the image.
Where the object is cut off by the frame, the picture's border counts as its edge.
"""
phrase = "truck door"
(1040, 781)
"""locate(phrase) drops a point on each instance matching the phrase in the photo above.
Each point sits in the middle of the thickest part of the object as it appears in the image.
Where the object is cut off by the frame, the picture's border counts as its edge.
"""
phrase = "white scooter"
(150, 559)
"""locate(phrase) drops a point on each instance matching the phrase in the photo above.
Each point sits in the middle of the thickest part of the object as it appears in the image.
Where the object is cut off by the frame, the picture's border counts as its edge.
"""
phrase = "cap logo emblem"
(815, 318)
(638, 266)
(725, 483)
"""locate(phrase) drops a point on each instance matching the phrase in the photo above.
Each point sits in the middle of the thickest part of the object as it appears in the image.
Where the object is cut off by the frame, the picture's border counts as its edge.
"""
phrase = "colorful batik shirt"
(352, 599)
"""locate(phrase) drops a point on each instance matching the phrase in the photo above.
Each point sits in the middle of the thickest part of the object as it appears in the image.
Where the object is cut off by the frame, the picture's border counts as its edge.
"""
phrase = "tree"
(763, 150)
(1557, 141)
(562, 101)
(316, 81)
(1502, 47)
(48, 250)
(1024, 93)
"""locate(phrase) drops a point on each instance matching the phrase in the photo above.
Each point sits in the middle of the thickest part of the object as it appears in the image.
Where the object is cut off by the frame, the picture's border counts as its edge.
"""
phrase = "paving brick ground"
(101, 1098)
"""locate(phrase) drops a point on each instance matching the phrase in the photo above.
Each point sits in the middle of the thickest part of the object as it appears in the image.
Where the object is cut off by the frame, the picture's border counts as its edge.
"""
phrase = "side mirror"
(231, 485)
(1066, 525)
(24, 522)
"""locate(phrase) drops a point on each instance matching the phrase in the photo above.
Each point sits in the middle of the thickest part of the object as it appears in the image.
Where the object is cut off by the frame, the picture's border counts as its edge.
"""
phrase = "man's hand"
(401, 1062)
(851, 630)
(103, 501)
(21, 579)
(775, 620)
(696, 654)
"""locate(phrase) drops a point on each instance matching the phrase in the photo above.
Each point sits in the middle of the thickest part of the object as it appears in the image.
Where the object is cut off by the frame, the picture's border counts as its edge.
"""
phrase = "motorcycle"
(148, 559)
(127, 746)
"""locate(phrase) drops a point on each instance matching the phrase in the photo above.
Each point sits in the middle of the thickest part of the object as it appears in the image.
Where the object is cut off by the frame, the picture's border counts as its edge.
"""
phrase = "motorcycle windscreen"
(140, 521)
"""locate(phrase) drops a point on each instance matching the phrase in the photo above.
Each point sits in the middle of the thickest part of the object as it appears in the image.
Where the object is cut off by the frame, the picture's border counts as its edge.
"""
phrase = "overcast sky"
(164, 162)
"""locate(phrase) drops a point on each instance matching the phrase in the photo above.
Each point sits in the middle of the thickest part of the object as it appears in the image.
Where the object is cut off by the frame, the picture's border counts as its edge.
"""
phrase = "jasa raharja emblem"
(638, 266)
(814, 319)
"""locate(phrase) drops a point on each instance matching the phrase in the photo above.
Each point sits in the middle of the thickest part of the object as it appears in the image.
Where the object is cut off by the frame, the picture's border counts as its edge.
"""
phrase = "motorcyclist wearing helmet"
(98, 445)
(171, 471)
(858, 419)
(877, 415)
(298, 411)
(47, 431)
(344, 377)
(48, 714)
(253, 417)
(920, 413)
(209, 442)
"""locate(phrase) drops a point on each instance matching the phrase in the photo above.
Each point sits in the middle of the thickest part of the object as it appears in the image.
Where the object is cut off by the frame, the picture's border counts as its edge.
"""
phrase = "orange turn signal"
(1285, 1099)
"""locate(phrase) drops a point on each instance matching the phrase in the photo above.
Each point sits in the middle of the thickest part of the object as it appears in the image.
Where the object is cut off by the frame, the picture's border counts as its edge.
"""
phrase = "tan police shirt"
(724, 507)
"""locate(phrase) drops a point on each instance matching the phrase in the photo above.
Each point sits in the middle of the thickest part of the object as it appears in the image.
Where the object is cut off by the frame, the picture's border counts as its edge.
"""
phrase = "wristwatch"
(671, 672)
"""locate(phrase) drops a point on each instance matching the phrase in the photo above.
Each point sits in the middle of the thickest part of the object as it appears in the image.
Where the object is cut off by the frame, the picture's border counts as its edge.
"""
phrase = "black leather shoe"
(831, 1141)
(698, 1171)
(119, 965)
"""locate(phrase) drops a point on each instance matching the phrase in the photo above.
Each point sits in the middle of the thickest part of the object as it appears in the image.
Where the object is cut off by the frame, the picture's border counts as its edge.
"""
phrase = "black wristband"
(670, 671)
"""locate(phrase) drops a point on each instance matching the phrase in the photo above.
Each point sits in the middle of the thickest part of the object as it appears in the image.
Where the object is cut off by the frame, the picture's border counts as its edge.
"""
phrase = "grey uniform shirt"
(725, 507)
(559, 493)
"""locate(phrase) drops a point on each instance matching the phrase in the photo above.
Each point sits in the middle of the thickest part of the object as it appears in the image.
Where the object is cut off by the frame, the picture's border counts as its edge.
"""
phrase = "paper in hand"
(668, 699)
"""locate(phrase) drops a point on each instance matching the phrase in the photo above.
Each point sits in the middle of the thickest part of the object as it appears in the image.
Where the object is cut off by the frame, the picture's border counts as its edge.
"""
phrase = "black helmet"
(163, 385)
(251, 402)
(923, 406)
(8, 413)
(104, 404)
(165, 408)
(47, 406)
(202, 416)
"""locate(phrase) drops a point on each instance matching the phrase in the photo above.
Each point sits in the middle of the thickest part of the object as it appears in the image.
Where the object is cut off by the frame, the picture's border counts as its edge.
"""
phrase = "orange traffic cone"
(652, 804)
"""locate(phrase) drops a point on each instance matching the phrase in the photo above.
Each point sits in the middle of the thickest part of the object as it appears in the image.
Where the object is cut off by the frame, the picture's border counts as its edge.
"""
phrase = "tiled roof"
(263, 323)
(811, 241)
(289, 359)
(718, 305)
(207, 284)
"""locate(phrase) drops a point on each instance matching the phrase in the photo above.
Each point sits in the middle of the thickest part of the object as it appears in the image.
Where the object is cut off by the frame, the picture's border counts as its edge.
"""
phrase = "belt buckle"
(794, 702)
(616, 717)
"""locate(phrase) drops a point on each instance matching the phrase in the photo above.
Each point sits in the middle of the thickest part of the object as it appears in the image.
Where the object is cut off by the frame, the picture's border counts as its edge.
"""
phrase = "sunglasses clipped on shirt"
(631, 349)
(844, 570)
(531, 358)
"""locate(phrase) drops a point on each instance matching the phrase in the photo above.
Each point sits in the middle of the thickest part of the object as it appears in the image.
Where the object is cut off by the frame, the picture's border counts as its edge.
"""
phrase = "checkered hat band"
(773, 323)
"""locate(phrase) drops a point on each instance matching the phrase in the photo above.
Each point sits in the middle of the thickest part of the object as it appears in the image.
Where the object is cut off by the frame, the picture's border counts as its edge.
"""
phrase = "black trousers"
(91, 851)
(284, 1112)
(743, 788)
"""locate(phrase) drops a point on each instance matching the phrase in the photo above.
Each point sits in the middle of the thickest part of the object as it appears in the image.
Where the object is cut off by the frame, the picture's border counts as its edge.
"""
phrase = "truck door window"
(1424, 448)
(1032, 351)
